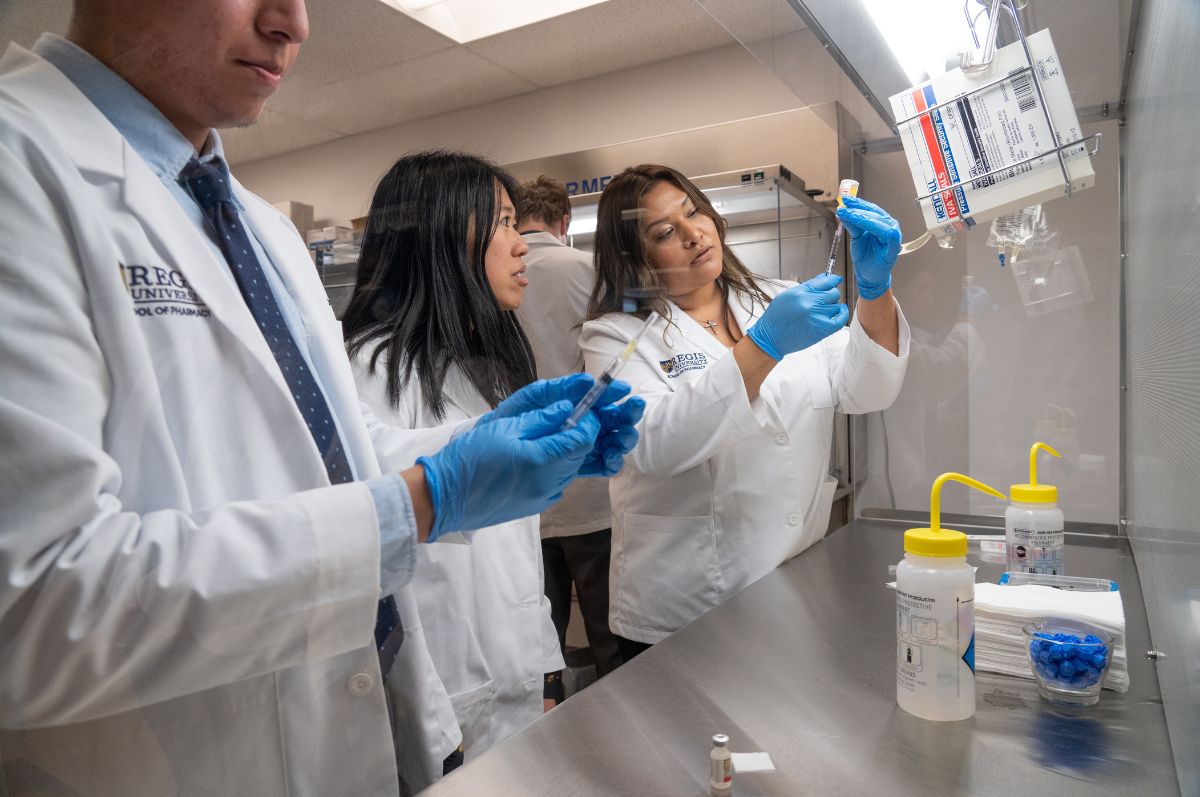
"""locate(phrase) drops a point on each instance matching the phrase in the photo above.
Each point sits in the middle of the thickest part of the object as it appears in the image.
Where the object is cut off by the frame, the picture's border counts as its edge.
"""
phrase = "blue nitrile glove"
(617, 437)
(874, 244)
(544, 392)
(506, 469)
(802, 315)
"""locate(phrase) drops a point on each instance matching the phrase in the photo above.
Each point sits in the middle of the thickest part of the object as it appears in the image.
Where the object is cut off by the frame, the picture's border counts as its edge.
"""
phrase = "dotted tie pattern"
(209, 184)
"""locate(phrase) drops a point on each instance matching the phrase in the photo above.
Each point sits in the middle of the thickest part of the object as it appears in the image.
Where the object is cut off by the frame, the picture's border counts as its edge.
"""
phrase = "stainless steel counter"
(802, 665)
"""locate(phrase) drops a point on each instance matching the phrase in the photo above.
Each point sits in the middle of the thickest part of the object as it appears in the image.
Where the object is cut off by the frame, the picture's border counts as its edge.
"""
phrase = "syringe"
(608, 375)
(845, 188)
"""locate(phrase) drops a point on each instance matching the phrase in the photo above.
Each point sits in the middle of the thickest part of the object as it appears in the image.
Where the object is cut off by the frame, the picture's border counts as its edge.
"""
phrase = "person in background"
(742, 376)
(434, 340)
(201, 527)
(577, 531)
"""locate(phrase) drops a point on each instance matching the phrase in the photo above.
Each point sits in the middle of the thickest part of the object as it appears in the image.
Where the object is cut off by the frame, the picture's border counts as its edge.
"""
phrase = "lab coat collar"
(93, 143)
(540, 238)
(97, 149)
(695, 334)
(746, 311)
(743, 312)
(152, 135)
(147, 198)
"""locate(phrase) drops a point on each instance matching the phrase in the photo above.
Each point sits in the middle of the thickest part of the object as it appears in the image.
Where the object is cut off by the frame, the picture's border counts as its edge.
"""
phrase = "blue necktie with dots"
(208, 184)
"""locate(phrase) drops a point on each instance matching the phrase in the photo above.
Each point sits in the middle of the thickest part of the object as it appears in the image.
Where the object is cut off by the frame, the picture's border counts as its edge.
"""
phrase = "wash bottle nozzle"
(934, 540)
(1034, 493)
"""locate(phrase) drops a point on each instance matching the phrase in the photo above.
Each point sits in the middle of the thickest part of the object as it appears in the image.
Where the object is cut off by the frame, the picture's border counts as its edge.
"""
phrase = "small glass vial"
(720, 774)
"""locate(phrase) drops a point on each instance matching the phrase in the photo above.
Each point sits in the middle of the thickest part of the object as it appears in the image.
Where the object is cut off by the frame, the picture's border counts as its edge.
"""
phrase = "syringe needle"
(607, 375)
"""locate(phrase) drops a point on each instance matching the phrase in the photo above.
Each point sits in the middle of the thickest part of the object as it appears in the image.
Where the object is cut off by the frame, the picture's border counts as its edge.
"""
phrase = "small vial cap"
(720, 740)
(847, 188)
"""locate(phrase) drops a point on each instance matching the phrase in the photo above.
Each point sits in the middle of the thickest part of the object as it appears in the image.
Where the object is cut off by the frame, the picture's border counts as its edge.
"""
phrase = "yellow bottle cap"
(1034, 493)
(936, 541)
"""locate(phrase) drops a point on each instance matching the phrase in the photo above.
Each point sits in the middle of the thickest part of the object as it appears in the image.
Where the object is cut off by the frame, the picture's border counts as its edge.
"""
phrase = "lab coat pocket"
(816, 520)
(669, 573)
(474, 709)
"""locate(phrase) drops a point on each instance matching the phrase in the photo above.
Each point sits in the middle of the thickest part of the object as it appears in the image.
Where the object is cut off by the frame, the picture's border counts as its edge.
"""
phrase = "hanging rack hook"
(992, 9)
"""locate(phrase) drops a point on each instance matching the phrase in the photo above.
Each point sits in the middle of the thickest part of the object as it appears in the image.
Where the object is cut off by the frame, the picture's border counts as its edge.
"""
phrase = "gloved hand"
(544, 392)
(506, 469)
(617, 437)
(802, 315)
(874, 245)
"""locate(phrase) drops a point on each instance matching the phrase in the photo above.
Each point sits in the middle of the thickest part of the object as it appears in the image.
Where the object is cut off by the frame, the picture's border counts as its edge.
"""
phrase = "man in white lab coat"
(577, 531)
(196, 523)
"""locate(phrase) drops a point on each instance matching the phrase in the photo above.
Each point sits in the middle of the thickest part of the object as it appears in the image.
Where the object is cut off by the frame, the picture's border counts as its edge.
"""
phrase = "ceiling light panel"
(924, 35)
(468, 20)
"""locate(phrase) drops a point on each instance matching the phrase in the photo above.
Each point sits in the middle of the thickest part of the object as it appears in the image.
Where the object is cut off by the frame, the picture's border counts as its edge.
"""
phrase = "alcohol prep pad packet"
(989, 129)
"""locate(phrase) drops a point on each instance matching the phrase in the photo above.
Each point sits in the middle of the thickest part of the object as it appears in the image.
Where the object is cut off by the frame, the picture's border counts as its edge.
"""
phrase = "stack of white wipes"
(1002, 611)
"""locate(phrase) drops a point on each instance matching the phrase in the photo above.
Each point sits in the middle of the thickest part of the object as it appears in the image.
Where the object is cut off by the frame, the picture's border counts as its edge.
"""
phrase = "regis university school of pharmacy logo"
(682, 363)
(161, 291)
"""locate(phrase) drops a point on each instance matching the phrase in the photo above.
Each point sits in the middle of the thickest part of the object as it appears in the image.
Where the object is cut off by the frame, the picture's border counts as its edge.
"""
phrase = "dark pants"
(453, 761)
(630, 648)
(582, 559)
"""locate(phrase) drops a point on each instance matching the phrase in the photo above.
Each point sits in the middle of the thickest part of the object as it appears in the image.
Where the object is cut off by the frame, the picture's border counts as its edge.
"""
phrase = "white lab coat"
(555, 304)
(187, 605)
(720, 490)
(480, 596)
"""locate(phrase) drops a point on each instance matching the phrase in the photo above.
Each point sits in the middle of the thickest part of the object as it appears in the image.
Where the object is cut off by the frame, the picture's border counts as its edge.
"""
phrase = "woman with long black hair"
(434, 340)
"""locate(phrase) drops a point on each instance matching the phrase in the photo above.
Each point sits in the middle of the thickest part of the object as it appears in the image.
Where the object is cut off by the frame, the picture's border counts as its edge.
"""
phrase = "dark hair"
(422, 294)
(622, 267)
(544, 199)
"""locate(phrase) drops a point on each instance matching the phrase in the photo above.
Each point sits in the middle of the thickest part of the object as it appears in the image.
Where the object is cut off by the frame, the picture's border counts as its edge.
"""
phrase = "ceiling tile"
(272, 134)
(752, 21)
(603, 38)
(444, 81)
(353, 37)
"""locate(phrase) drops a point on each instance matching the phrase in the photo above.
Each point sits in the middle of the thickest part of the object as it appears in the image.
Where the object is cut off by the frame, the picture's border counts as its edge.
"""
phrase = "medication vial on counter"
(720, 774)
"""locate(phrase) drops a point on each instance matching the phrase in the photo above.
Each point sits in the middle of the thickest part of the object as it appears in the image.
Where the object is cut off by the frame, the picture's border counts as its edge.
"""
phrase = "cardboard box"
(331, 234)
(300, 214)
